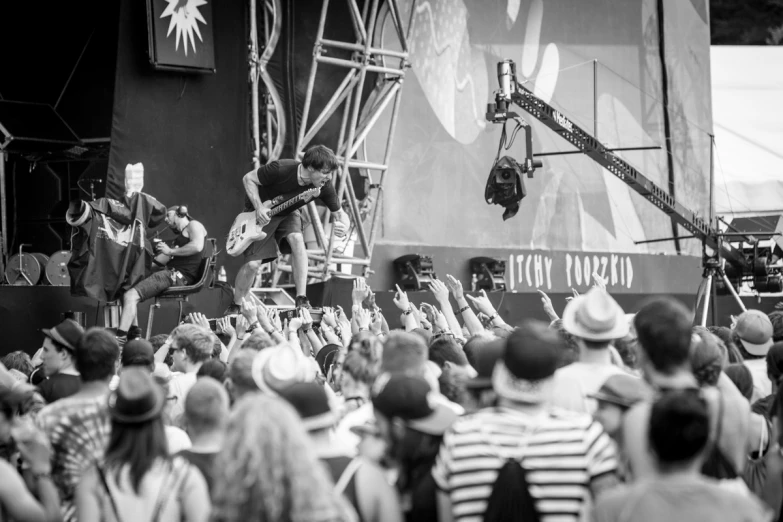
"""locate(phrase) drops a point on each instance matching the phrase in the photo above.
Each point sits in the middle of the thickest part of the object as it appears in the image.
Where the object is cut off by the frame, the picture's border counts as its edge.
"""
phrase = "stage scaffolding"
(368, 55)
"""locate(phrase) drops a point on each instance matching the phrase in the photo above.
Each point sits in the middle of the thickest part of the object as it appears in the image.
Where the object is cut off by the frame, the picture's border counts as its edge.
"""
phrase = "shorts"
(276, 242)
(157, 283)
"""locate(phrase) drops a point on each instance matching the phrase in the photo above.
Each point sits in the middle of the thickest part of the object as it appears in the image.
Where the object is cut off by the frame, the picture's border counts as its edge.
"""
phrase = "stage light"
(413, 271)
(490, 273)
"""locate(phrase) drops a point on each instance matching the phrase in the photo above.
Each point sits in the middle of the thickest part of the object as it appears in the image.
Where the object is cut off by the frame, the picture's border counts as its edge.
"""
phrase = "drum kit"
(30, 269)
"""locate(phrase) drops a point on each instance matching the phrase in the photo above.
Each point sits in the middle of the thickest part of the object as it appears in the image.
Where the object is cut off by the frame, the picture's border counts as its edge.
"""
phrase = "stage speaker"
(27, 128)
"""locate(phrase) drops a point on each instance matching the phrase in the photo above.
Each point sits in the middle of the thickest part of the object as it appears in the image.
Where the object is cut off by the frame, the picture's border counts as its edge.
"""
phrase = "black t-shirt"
(205, 462)
(278, 179)
(59, 386)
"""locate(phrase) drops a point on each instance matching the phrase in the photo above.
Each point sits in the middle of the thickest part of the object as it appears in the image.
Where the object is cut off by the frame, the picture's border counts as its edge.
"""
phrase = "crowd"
(599, 415)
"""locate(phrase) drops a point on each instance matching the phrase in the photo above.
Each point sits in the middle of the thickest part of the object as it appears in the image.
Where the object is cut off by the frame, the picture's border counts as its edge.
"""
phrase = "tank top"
(187, 265)
(336, 466)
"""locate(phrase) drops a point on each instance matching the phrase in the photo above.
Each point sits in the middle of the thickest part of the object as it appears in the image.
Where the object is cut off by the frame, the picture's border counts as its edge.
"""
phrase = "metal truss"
(346, 104)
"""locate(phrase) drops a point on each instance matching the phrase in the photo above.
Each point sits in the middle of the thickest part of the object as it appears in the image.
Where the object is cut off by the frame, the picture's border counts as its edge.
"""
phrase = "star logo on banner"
(185, 17)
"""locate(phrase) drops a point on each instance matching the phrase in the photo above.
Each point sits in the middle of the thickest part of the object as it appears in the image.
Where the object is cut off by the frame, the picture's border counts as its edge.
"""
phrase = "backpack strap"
(172, 482)
(347, 475)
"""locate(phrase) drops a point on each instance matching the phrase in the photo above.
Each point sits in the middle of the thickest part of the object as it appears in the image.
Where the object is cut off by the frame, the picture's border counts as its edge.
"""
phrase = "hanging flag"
(181, 34)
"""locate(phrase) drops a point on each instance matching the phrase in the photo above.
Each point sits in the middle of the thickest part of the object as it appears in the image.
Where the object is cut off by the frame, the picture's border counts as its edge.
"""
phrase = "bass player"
(275, 182)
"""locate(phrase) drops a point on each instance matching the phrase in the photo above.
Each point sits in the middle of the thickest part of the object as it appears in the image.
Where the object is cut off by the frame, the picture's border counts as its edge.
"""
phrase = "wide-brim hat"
(311, 402)
(276, 368)
(137, 398)
(510, 387)
(67, 333)
(755, 331)
(595, 316)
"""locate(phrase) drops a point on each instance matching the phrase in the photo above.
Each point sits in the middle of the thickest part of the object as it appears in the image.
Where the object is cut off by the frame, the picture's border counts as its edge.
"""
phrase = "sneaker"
(302, 302)
(233, 309)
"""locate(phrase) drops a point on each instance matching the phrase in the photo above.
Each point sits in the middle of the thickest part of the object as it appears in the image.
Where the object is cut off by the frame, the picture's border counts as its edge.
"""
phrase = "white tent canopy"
(747, 108)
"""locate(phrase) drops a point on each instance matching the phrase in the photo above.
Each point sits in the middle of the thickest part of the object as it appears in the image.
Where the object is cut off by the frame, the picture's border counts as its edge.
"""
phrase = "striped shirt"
(562, 452)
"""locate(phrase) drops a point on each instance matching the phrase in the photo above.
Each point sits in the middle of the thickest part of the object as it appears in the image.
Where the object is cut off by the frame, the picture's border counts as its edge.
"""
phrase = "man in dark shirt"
(178, 265)
(57, 357)
(271, 185)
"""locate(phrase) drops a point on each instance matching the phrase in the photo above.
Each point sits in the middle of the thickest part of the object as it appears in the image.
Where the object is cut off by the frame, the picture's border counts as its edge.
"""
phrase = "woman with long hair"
(137, 479)
(268, 470)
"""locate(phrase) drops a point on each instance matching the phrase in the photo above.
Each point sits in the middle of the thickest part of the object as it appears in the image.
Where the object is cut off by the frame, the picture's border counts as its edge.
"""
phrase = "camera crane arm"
(512, 91)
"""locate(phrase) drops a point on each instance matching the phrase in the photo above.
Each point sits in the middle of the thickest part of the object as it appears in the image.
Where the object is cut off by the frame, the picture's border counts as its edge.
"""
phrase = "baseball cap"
(410, 398)
(623, 390)
(137, 352)
(755, 331)
(486, 357)
(66, 333)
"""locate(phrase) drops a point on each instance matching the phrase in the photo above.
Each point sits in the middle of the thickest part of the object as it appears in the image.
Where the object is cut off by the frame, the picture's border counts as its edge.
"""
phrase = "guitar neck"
(286, 204)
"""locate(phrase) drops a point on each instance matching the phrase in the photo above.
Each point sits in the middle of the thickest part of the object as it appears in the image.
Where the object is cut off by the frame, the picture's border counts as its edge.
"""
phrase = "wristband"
(252, 327)
(362, 329)
(463, 309)
(494, 316)
(409, 311)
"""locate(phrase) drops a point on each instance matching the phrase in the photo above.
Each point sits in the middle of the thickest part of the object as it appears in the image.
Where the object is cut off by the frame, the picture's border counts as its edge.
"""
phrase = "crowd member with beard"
(412, 418)
(360, 480)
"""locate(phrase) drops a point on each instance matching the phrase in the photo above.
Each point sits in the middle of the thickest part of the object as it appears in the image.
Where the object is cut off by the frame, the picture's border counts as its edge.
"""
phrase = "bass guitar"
(246, 229)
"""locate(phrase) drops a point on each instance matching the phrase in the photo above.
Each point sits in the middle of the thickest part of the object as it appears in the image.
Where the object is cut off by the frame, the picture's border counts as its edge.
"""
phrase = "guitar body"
(246, 229)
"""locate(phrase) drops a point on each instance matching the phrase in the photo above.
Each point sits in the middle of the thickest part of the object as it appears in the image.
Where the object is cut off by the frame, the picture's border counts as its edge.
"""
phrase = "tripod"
(713, 268)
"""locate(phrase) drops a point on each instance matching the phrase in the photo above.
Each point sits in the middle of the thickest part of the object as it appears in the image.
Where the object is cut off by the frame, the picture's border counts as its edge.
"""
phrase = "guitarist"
(271, 183)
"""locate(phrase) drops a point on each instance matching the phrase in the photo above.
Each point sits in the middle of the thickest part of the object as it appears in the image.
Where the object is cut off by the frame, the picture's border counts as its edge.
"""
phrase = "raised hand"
(401, 299)
(224, 327)
(376, 324)
(549, 310)
(362, 318)
(241, 326)
(249, 310)
(600, 282)
(295, 324)
(483, 303)
(329, 318)
(576, 294)
(455, 285)
(274, 318)
(200, 320)
(360, 290)
(307, 319)
(440, 291)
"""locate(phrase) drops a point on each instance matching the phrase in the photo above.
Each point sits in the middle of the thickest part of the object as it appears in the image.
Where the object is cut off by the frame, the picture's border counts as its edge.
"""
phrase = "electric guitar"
(246, 229)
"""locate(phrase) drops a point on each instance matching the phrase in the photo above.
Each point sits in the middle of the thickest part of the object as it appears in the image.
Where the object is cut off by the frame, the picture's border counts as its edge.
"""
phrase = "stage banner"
(181, 35)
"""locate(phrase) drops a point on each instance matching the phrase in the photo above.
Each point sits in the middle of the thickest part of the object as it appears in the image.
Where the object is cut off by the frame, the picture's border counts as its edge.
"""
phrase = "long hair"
(268, 470)
(139, 446)
(415, 453)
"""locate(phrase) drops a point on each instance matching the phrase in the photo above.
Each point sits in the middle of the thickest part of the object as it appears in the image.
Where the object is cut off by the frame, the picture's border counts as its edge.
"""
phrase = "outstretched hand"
(401, 299)
(440, 291)
(483, 303)
(549, 309)
(455, 285)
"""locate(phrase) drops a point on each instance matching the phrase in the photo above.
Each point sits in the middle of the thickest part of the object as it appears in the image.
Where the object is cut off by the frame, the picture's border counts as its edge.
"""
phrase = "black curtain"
(191, 131)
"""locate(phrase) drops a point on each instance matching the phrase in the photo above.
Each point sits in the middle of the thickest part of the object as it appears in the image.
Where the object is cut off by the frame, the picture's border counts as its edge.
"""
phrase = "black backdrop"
(191, 131)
